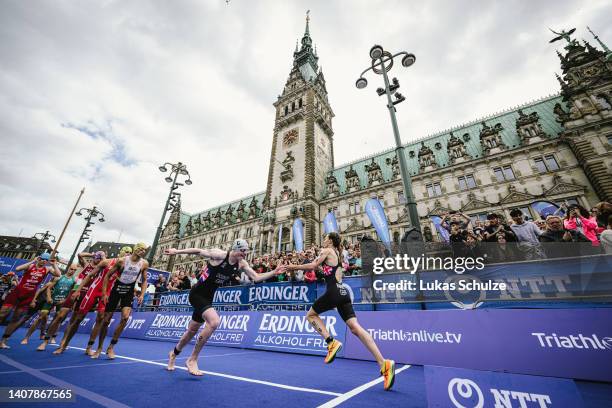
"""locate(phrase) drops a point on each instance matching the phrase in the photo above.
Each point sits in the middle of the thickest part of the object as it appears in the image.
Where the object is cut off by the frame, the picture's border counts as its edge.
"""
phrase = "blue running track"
(234, 378)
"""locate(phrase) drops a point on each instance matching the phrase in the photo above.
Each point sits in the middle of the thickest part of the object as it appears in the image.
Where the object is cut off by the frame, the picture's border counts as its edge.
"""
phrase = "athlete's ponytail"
(335, 239)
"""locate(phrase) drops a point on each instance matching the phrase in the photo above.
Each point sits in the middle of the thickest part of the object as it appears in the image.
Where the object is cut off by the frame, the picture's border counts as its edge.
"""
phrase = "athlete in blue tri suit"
(220, 268)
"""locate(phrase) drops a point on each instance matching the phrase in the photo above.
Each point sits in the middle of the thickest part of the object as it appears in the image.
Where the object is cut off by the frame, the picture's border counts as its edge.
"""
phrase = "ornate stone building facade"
(557, 148)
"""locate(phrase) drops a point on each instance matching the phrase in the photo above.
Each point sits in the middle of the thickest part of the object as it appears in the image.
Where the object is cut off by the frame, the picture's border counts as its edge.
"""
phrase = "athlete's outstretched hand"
(170, 251)
(280, 269)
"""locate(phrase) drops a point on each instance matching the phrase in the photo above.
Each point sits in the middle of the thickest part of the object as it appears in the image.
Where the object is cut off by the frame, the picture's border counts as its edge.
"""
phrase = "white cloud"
(195, 82)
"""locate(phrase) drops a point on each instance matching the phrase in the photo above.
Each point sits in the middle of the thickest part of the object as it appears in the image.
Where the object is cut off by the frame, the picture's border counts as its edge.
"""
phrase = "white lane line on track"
(92, 396)
(207, 356)
(72, 366)
(233, 377)
(343, 397)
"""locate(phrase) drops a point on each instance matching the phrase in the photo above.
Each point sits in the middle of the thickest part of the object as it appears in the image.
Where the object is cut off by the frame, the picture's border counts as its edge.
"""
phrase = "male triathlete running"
(336, 296)
(95, 296)
(21, 296)
(220, 268)
(55, 293)
(125, 273)
(65, 308)
(74, 300)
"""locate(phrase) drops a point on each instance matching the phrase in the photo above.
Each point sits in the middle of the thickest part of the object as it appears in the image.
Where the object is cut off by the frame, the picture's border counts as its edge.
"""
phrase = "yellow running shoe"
(389, 373)
(332, 350)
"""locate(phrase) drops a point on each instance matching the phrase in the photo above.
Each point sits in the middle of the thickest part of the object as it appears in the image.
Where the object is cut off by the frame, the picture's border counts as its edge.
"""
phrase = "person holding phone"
(578, 219)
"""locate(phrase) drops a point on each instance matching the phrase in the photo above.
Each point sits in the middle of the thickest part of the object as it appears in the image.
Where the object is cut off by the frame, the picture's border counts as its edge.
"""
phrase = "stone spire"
(306, 59)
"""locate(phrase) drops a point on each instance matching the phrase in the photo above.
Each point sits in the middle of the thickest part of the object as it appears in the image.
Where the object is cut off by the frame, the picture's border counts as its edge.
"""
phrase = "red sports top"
(32, 277)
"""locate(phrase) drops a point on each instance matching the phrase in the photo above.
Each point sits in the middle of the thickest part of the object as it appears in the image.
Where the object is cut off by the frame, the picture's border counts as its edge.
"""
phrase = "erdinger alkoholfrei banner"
(546, 208)
(570, 343)
(269, 293)
(289, 332)
(437, 221)
(376, 214)
(298, 234)
(329, 223)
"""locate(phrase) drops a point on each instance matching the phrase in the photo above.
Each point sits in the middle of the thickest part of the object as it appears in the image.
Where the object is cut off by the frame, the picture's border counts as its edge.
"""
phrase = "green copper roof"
(438, 142)
(185, 217)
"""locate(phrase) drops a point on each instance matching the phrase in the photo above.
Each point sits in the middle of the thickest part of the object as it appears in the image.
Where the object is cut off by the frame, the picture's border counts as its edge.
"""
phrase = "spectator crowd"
(519, 238)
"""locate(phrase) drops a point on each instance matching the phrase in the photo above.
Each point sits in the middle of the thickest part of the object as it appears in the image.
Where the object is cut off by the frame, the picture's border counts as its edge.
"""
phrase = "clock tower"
(302, 149)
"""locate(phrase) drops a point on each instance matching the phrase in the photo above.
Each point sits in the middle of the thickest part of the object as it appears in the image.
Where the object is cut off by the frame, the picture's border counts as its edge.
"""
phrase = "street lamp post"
(382, 62)
(93, 214)
(175, 170)
(42, 237)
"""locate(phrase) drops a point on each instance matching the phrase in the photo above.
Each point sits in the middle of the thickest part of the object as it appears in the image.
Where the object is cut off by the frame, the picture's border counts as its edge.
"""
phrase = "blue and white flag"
(441, 230)
(376, 214)
(280, 236)
(546, 208)
(329, 223)
(298, 235)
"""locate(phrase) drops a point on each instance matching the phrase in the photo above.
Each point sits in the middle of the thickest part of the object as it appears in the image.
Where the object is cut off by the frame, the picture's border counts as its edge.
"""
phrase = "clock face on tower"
(290, 138)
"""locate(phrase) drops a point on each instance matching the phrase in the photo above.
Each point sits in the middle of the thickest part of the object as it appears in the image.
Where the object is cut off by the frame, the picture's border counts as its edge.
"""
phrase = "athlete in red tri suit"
(74, 300)
(96, 295)
(88, 262)
(20, 297)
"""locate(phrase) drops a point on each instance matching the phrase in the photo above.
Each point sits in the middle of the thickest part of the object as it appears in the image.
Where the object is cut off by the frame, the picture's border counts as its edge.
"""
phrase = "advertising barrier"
(552, 280)
(570, 343)
(154, 274)
(269, 293)
(9, 264)
(566, 343)
(288, 332)
(460, 388)
(554, 283)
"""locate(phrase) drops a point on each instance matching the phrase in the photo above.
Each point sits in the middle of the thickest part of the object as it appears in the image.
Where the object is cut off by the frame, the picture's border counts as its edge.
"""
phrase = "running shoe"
(388, 372)
(332, 350)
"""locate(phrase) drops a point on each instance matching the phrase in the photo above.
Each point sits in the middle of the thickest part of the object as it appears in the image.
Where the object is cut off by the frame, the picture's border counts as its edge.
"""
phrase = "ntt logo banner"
(292, 333)
(461, 388)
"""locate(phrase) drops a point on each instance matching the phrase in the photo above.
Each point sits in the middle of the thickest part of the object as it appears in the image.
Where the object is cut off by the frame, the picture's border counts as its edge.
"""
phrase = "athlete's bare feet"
(171, 360)
(110, 353)
(192, 367)
(59, 350)
(42, 346)
(3, 345)
(24, 341)
(97, 353)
